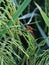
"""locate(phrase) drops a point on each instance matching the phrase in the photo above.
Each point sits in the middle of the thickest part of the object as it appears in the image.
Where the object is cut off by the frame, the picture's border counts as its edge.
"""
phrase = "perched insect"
(30, 29)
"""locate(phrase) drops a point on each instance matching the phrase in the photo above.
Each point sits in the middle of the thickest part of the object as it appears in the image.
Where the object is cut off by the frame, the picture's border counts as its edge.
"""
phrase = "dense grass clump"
(18, 41)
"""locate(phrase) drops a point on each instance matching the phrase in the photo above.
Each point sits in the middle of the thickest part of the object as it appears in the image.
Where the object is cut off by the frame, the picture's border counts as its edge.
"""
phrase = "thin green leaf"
(19, 11)
(46, 19)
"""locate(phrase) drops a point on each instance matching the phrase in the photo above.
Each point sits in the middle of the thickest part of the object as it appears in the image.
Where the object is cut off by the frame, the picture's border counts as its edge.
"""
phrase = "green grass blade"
(19, 11)
(46, 19)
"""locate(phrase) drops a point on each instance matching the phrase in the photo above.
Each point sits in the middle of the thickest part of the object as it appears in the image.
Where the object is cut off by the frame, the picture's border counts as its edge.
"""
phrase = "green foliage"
(1, 0)
(12, 50)
(9, 35)
(46, 19)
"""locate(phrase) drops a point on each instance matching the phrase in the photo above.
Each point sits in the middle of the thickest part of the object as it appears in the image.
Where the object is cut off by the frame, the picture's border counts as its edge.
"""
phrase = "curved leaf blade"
(46, 19)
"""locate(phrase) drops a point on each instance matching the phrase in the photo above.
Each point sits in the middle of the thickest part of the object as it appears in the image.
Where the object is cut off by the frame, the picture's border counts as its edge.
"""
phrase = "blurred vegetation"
(24, 30)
